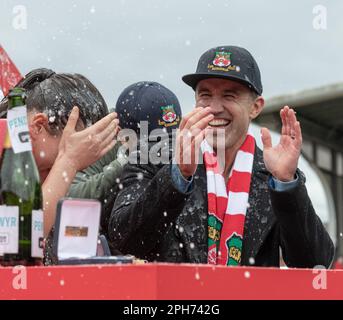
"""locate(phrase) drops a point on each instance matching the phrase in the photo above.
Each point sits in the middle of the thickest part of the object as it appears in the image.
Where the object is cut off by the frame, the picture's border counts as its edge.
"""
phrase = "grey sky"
(116, 43)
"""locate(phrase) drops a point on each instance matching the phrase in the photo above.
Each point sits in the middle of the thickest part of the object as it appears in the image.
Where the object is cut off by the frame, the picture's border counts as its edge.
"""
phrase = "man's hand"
(282, 160)
(188, 139)
(82, 148)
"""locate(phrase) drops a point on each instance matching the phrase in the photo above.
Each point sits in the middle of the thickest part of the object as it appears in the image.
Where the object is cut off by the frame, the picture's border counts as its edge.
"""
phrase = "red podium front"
(169, 281)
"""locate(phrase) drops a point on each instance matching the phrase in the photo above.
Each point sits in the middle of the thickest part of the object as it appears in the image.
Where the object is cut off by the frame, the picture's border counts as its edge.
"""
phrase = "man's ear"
(257, 107)
(38, 125)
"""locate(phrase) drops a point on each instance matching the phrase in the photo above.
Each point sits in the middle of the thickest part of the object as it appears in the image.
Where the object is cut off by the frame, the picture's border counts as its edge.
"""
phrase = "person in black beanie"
(151, 102)
(149, 114)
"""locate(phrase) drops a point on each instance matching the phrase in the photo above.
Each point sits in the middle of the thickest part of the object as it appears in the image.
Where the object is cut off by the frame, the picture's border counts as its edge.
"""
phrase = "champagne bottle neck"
(15, 102)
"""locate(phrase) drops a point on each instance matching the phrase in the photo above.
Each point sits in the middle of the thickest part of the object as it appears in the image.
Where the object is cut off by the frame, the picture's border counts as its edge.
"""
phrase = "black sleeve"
(304, 241)
(145, 207)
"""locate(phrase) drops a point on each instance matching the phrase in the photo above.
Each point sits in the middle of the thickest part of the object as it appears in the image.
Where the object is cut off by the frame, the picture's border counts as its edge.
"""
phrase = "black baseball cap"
(227, 62)
(148, 101)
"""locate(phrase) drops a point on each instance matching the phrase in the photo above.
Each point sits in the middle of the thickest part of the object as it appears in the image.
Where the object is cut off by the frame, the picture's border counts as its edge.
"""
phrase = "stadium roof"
(319, 110)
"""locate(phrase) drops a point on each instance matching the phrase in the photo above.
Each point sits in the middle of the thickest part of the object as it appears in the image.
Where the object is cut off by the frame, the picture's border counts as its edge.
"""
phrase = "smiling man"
(222, 200)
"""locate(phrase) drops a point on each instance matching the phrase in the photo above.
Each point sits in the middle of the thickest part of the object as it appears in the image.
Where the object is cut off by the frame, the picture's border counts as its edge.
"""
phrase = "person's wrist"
(67, 161)
(185, 173)
(286, 177)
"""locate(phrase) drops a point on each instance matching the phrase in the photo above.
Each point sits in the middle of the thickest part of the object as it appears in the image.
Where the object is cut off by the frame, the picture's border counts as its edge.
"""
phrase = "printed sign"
(37, 234)
(9, 229)
(18, 129)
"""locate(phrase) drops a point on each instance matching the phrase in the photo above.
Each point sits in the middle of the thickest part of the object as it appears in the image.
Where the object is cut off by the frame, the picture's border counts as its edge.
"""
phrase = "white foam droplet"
(140, 176)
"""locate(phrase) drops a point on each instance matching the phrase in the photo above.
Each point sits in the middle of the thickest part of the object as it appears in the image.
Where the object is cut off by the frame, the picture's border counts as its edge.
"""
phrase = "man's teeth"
(218, 122)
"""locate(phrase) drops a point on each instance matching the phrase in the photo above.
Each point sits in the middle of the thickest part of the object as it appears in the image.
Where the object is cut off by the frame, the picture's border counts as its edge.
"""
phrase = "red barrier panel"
(169, 281)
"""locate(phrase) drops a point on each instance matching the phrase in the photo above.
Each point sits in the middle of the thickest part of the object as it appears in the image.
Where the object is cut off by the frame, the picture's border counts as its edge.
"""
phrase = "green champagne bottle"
(21, 214)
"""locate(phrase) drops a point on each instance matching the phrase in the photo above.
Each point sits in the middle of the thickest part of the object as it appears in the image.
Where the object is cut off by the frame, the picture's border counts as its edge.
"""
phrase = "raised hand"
(188, 139)
(282, 160)
(82, 148)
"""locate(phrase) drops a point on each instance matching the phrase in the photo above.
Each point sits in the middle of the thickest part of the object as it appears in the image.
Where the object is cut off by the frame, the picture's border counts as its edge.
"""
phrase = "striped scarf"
(227, 205)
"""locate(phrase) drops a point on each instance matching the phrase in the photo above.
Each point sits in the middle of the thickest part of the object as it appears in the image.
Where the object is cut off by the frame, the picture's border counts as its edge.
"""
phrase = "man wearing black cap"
(240, 205)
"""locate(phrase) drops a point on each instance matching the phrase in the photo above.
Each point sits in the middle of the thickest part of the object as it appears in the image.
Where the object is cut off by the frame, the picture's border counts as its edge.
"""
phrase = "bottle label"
(9, 229)
(37, 234)
(18, 129)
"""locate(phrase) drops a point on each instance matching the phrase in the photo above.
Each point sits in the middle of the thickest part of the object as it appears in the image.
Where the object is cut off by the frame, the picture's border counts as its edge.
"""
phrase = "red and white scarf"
(227, 204)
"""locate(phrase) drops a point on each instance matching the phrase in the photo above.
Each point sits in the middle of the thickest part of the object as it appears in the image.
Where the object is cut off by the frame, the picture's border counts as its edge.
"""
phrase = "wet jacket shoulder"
(153, 220)
(283, 220)
(144, 209)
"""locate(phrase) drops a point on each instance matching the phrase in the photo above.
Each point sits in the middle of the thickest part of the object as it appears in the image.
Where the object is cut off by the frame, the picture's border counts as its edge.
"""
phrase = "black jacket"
(152, 220)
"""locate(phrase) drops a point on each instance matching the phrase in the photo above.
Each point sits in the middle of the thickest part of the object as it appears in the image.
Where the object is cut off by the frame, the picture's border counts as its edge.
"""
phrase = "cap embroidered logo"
(222, 59)
(169, 116)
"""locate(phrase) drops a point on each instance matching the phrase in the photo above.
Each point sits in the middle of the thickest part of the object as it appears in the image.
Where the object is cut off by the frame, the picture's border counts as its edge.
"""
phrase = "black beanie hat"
(148, 101)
